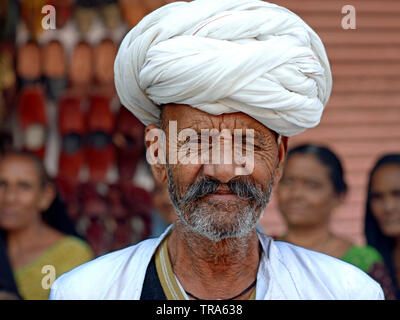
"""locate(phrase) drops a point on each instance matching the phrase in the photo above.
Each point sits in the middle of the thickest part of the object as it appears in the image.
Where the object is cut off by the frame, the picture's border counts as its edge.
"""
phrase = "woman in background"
(40, 243)
(311, 188)
(382, 217)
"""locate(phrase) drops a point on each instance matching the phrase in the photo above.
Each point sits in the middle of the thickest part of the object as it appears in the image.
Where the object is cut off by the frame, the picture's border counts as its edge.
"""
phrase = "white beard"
(217, 220)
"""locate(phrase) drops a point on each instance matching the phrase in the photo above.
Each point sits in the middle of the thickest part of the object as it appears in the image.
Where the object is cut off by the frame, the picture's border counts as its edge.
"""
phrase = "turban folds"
(225, 56)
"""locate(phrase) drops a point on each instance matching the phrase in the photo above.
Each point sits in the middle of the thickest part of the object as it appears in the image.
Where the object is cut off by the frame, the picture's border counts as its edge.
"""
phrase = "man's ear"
(282, 151)
(155, 142)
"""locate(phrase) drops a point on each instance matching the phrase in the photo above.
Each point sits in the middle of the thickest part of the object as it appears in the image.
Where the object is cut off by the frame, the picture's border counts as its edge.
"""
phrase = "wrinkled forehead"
(190, 117)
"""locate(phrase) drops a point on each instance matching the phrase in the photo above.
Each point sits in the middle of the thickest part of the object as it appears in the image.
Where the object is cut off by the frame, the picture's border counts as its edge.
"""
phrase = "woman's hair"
(328, 159)
(373, 233)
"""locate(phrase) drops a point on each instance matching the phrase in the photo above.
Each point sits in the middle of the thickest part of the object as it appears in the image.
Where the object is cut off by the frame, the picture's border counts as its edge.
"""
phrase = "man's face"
(212, 198)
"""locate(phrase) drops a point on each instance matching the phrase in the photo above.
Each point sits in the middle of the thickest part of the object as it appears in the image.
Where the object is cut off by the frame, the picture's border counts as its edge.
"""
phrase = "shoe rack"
(65, 110)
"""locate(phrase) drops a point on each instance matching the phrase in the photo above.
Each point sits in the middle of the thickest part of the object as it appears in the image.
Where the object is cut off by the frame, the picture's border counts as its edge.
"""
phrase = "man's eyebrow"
(257, 136)
(254, 133)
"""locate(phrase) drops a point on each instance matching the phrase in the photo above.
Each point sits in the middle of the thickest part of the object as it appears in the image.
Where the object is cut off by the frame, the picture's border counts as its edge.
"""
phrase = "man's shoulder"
(332, 276)
(106, 276)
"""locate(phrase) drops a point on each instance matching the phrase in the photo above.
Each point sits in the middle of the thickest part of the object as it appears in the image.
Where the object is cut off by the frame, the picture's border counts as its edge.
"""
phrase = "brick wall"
(362, 118)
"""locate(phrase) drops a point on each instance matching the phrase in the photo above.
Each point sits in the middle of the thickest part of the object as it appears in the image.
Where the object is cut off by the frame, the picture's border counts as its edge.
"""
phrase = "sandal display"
(31, 14)
(133, 11)
(3, 110)
(100, 152)
(33, 119)
(9, 16)
(129, 217)
(111, 14)
(85, 14)
(29, 64)
(54, 69)
(92, 223)
(61, 84)
(6, 141)
(81, 69)
(71, 123)
(70, 193)
(8, 79)
(154, 4)
(139, 204)
(119, 223)
(104, 57)
(128, 139)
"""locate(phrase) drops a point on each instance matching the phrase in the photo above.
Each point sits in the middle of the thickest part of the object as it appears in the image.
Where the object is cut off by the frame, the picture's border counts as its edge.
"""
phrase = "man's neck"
(214, 270)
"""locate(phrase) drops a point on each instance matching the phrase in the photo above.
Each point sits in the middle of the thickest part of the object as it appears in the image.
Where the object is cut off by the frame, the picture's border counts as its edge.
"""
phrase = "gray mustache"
(243, 188)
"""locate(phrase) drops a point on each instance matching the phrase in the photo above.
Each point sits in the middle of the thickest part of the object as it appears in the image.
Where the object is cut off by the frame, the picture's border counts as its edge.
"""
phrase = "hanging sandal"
(100, 151)
(29, 66)
(54, 69)
(111, 14)
(133, 11)
(71, 123)
(104, 57)
(33, 119)
(81, 69)
(85, 14)
(128, 140)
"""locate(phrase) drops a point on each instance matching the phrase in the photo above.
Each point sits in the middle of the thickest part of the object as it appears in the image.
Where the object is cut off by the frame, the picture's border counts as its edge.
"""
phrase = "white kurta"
(285, 272)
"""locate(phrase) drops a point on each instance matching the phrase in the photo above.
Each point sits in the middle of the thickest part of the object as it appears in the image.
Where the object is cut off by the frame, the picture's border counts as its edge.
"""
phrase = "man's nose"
(221, 172)
(223, 166)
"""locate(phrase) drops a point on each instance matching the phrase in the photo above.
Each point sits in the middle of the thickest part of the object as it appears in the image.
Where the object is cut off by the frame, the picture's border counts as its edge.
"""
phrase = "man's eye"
(241, 143)
(255, 147)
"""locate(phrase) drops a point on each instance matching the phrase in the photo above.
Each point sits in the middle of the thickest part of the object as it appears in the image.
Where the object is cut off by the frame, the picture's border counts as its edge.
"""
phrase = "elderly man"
(258, 72)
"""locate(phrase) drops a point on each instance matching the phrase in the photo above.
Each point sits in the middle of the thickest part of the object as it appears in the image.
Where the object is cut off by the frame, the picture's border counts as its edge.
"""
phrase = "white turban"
(225, 56)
